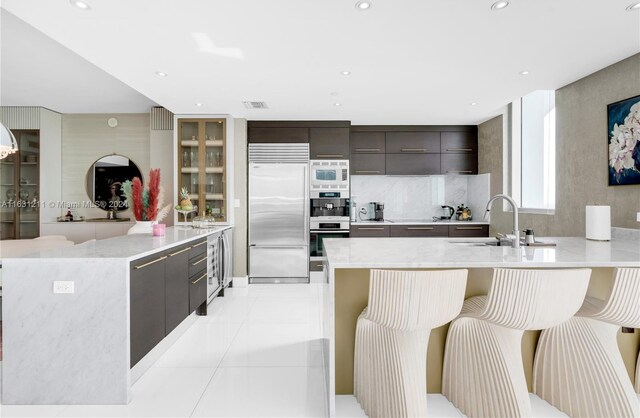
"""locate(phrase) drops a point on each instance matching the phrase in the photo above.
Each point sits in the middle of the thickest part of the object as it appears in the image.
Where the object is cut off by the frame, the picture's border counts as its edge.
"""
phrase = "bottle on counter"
(69, 216)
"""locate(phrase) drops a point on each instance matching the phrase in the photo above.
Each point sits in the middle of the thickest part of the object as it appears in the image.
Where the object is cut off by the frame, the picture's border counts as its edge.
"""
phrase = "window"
(533, 152)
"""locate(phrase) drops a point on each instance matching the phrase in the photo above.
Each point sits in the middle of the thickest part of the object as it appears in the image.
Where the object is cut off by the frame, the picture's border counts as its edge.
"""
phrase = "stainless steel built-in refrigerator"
(278, 213)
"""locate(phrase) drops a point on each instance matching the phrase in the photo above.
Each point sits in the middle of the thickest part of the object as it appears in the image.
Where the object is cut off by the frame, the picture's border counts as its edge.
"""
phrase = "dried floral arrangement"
(146, 204)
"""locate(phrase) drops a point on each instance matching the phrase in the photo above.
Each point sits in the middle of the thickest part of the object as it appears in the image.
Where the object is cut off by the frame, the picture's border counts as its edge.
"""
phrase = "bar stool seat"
(578, 366)
(483, 374)
(392, 334)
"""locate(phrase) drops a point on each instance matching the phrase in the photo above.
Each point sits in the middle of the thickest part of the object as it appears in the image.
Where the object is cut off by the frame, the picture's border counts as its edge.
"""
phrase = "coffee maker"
(379, 211)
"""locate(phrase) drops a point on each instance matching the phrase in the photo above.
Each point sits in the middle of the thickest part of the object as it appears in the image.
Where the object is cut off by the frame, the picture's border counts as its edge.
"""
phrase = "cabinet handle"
(421, 228)
(413, 149)
(199, 278)
(179, 252)
(329, 155)
(370, 229)
(150, 262)
(319, 265)
(460, 149)
(367, 149)
(199, 261)
(459, 171)
(368, 171)
(468, 228)
(199, 244)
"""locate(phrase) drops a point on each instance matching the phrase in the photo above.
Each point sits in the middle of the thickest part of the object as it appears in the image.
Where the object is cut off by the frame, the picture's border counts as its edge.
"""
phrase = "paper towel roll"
(598, 223)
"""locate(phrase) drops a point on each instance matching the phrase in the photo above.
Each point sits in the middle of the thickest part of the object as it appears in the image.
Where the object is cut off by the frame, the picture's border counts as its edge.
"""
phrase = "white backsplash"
(421, 197)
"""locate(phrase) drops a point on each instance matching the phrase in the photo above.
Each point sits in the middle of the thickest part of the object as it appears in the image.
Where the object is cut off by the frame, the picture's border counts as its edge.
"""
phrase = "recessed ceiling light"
(634, 6)
(363, 5)
(337, 104)
(473, 103)
(499, 5)
(345, 72)
(161, 74)
(199, 104)
(80, 4)
(334, 93)
(524, 72)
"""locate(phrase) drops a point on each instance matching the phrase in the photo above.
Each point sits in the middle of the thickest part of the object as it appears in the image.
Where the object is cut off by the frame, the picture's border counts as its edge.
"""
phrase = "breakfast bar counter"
(76, 319)
(346, 289)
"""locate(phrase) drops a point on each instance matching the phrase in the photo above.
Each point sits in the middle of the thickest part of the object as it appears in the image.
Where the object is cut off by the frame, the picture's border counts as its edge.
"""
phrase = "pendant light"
(8, 143)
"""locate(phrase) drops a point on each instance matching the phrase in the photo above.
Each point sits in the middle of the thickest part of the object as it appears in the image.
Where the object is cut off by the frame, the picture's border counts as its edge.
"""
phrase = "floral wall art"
(624, 141)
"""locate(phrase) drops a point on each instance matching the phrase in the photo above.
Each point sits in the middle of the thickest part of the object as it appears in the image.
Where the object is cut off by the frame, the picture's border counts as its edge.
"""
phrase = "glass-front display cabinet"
(202, 167)
(19, 188)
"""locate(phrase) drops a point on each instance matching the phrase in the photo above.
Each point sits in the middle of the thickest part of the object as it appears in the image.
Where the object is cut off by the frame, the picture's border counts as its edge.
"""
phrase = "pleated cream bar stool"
(578, 366)
(392, 334)
(483, 374)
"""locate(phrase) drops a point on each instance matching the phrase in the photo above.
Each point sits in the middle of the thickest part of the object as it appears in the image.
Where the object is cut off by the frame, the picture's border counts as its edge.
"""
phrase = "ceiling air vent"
(255, 105)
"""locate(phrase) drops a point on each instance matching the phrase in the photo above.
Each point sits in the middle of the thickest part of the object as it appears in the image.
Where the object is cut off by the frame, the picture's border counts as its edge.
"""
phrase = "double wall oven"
(329, 206)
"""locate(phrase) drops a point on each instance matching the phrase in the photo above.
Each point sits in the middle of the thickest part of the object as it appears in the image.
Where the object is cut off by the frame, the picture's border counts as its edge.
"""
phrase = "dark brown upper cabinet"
(368, 143)
(459, 142)
(278, 135)
(412, 164)
(459, 163)
(412, 142)
(367, 164)
(329, 143)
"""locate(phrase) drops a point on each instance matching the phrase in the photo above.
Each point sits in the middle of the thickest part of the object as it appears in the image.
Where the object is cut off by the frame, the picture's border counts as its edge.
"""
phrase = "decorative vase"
(142, 227)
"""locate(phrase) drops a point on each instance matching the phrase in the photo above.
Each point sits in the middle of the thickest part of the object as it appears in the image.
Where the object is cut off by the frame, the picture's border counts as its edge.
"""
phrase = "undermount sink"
(107, 220)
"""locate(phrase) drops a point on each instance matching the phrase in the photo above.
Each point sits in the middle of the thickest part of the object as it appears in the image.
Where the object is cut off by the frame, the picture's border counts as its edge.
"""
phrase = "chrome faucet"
(516, 232)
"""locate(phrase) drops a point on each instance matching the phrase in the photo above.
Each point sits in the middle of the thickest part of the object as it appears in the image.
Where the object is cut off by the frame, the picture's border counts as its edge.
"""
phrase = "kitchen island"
(76, 319)
(347, 287)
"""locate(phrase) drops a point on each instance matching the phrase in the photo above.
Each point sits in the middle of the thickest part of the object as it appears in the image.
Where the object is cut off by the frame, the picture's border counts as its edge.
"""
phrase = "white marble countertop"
(128, 247)
(418, 222)
(470, 253)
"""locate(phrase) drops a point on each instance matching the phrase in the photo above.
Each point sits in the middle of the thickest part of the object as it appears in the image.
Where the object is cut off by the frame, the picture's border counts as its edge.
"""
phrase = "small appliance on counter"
(447, 212)
(379, 212)
(463, 213)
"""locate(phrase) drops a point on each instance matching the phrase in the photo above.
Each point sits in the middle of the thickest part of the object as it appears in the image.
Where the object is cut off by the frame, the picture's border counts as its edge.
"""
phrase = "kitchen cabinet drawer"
(197, 290)
(196, 264)
(278, 135)
(147, 305)
(412, 164)
(459, 163)
(367, 143)
(369, 230)
(419, 231)
(468, 230)
(412, 142)
(315, 265)
(367, 164)
(197, 247)
(176, 287)
(329, 143)
(458, 142)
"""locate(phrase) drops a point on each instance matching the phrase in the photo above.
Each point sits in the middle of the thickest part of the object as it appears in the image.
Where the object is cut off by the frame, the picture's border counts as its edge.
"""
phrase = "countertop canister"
(598, 223)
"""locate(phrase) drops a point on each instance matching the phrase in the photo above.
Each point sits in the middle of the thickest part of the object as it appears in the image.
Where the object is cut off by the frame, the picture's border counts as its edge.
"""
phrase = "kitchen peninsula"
(346, 290)
(81, 323)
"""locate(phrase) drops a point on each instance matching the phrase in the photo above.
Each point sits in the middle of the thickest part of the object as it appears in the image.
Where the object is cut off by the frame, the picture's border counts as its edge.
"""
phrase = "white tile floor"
(257, 354)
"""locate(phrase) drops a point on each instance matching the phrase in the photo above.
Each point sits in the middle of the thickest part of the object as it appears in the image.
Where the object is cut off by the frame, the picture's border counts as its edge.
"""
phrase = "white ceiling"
(35, 70)
(412, 61)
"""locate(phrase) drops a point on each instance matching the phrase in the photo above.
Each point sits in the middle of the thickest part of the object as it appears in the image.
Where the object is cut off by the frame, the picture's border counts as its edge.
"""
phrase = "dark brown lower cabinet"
(197, 290)
(469, 231)
(176, 287)
(147, 305)
(419, 231)
(369, 230)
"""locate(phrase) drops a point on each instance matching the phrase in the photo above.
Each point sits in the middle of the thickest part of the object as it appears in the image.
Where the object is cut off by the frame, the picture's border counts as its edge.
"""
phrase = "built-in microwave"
(329, 176)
